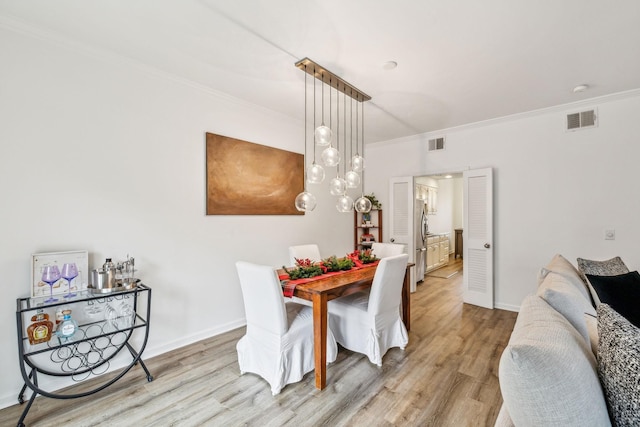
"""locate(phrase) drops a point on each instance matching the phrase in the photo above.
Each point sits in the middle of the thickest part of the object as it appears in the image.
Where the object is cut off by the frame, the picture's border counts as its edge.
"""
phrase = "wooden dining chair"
(370, 322)
(304, 251)
(383, 250)
(278, 344)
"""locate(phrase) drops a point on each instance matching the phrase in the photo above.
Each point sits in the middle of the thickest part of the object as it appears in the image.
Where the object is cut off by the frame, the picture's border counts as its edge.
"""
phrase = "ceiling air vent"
(582, 119)
(436, 144)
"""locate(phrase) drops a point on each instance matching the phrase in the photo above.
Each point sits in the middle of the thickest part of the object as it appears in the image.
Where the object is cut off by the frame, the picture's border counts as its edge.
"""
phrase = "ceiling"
(459, 62)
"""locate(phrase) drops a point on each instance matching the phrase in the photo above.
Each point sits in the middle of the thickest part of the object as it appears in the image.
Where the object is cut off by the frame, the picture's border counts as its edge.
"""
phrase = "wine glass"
(69, 272)
(50, 275)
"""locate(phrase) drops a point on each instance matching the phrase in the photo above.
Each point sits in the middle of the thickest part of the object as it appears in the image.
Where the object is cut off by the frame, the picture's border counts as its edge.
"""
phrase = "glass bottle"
(108, 265)
(110, 269)
(41, 328)
(59, 317)
(67, 328)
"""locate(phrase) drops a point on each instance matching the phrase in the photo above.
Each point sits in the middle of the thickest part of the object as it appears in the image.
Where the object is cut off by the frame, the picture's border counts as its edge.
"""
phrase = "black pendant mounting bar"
(326, 76)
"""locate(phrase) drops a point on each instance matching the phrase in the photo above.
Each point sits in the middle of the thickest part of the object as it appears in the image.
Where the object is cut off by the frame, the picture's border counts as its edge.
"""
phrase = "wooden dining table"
(325, 288)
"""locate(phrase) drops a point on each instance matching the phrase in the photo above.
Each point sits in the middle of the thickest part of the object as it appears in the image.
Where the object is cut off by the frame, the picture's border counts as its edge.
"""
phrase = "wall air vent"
(436, 144)
(582, 119)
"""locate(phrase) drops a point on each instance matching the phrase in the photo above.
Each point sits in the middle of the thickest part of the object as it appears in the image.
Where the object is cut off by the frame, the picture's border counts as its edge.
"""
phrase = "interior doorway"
(439, 203)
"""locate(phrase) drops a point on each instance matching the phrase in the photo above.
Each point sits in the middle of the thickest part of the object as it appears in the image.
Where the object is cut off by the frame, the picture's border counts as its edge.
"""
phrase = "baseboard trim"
(508, 307)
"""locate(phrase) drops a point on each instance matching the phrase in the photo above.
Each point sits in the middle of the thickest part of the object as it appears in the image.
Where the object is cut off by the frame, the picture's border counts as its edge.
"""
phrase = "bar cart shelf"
(103, 331)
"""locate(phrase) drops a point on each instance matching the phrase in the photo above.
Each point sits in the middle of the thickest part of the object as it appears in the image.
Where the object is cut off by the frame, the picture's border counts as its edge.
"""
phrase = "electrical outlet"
(610, 234)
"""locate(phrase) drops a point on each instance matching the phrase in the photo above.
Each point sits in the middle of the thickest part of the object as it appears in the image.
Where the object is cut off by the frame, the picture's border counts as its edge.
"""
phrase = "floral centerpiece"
(365, 256)
(304, 269)
(334, 263)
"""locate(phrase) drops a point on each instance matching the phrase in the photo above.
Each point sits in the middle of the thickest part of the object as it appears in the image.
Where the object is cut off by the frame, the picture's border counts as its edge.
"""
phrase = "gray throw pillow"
(619, 366)
(560, 265)
(560, 294)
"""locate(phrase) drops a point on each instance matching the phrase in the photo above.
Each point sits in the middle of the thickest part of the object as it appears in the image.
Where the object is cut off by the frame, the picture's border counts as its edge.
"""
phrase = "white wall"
(554, 191)
(126, 146)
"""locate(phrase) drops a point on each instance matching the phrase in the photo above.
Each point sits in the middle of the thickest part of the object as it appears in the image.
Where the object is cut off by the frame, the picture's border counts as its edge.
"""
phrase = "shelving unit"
(365, 233)
(93, 346)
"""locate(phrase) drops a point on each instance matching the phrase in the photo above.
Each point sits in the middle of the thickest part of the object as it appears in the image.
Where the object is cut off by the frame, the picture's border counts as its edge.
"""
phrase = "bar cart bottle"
(41, 328)
(67, 328)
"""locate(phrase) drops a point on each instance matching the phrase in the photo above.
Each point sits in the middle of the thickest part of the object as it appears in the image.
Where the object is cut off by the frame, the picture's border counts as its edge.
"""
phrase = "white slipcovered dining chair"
(370, 322)
(278, 344)
(383, 250)
(304, 251)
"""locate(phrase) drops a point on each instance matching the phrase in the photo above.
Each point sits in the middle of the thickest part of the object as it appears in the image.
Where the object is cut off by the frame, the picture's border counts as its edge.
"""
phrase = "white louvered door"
(401, 217)
(478, 237)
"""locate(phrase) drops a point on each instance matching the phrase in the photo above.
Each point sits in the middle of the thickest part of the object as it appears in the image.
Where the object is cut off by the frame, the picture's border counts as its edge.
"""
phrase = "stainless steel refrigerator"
(422, 229)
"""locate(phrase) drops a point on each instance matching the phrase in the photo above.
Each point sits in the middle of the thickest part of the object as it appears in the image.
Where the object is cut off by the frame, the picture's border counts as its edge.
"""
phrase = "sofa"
(572, 359)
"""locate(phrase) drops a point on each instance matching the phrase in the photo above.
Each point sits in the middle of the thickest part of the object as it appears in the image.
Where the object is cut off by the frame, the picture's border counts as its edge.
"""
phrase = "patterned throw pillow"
(619, 366)
(610, 267)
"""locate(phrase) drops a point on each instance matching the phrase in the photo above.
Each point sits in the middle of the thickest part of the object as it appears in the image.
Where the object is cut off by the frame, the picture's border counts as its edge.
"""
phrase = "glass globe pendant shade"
(323, 135)
(357, 163)
(353, 179)
(345, 204)
(330, 156)
(315, 174)
(305, 202)
(362, 205)
(337, 186)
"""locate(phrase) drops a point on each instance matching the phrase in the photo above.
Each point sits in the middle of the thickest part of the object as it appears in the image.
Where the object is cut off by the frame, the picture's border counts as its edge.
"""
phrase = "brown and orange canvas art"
(244, 178)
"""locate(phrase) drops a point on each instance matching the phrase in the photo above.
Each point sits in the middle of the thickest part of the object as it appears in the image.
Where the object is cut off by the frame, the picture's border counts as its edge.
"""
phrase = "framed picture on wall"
(244, 178)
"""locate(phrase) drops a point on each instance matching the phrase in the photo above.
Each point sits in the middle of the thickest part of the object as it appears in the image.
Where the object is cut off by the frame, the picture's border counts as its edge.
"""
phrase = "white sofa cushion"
(619, 365)
(548, 373)
(560, 265)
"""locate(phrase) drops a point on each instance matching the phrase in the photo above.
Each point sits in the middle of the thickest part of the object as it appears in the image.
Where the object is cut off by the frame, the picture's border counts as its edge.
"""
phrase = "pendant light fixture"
(305, 201)
(330, 155)
(357, 161)
(315, 172)
(352, 177)
(345, 202)
(338, 186)
(362, 203)
(323, 136)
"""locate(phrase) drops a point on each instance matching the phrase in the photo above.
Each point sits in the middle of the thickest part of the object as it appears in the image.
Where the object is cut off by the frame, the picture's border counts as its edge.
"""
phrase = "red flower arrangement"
(337, 264)
(304, 269)
(365, 256)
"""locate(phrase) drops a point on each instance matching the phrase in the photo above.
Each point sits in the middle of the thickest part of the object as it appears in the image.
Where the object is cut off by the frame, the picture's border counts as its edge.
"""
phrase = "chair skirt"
(355, 329)
(285, 359)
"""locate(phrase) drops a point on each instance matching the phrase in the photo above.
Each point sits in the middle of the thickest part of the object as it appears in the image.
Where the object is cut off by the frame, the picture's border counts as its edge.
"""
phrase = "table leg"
(320, 339)
(406, 305)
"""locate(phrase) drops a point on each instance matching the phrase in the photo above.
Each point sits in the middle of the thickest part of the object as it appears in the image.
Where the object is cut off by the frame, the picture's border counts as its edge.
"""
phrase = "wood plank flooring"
(447, 376)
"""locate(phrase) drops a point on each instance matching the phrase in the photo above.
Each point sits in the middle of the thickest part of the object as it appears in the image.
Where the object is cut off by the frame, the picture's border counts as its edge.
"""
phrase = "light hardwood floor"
(447, 376)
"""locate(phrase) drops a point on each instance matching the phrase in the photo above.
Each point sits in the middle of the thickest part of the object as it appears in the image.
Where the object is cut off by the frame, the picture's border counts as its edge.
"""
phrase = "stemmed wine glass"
(50, 275)
(69, 272)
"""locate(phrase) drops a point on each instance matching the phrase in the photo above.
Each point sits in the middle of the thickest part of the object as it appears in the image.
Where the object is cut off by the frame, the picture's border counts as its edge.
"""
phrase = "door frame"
(464, 196)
